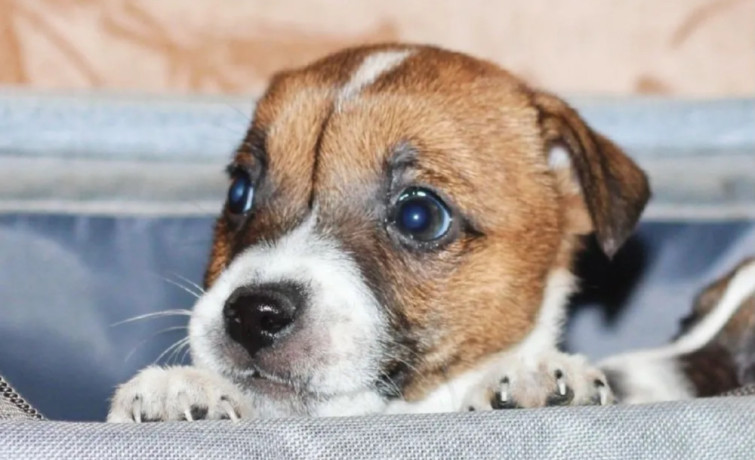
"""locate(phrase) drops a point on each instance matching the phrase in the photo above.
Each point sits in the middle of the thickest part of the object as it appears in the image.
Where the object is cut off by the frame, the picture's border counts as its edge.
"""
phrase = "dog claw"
(137, 409)
(501, 398)
(564, 395)
(228, 408)
(503, 395)
(560, 383)
(603, 392)
(554, 379)
(195, 413)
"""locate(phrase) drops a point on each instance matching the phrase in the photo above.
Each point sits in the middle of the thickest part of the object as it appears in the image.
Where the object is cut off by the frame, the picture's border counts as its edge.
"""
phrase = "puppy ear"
(614, 189)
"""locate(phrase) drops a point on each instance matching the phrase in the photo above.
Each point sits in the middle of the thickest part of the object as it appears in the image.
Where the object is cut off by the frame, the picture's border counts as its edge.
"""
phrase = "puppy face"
(393, 218)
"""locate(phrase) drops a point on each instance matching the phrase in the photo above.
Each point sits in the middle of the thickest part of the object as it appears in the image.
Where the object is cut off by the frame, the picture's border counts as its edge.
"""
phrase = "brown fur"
(615, 190)
(481, 138)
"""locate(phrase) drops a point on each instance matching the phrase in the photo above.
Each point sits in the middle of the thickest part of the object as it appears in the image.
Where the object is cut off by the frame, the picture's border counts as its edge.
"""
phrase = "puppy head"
(395, 214)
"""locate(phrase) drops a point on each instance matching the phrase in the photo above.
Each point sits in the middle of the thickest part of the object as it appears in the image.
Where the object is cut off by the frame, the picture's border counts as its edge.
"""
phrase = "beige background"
(672, 47)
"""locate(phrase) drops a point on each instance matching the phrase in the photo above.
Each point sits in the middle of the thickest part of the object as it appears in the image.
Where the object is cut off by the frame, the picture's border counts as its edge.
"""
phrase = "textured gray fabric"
(9, 410)
(13, 406)
(716, 428)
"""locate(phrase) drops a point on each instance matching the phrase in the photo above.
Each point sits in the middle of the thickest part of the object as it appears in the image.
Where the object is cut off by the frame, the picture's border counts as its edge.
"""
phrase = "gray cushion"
(13, 406)
(714, 428)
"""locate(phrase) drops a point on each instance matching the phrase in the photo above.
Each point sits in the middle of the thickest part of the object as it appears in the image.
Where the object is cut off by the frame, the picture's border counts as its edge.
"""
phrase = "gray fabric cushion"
(13, 406)
(9, 410)
(715, 428)
(706, 428)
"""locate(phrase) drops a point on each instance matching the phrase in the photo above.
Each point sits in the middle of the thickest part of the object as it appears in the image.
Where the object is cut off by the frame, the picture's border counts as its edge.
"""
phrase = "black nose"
(257, 316)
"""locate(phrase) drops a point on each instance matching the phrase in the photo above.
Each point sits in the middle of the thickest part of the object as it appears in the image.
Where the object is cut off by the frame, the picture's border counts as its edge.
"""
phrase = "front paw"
(552, 379)
(177, 393)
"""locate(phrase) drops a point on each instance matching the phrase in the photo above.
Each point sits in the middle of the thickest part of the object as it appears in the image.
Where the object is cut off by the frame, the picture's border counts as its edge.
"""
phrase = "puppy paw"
(553, 379)
(177, 393)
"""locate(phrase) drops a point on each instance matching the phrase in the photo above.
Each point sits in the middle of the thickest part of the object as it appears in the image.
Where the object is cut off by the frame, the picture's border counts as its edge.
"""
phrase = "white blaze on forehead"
(372, 67)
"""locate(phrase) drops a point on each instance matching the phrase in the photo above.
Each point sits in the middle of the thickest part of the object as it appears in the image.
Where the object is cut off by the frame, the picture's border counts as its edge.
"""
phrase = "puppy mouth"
(268, 383)
(279, 387)
(273, 372)
(230, 359)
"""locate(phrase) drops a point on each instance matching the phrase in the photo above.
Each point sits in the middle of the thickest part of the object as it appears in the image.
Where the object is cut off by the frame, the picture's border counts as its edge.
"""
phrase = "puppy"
(714, 352)
(398, 236)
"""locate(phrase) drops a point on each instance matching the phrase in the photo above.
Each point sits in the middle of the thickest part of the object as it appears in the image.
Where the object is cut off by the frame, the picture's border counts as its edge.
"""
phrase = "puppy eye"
(240, 194)
(421, 215)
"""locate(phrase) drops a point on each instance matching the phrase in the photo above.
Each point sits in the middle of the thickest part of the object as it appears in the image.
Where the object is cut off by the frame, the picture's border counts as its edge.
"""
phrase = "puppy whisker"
(176, 344)
(186, 354)
(141, 343)
(409, 353)
(184, 288)
(156, 314)
(199, 289)
(174, 356)
(389, 381)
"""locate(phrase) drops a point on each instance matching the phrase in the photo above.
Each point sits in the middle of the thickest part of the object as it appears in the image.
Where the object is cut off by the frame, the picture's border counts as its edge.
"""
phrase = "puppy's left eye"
(240, 194)
(422, 216)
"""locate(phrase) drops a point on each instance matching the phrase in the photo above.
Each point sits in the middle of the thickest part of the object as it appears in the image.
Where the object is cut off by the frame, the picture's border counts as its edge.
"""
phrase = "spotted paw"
(554, 379)
(177, 393)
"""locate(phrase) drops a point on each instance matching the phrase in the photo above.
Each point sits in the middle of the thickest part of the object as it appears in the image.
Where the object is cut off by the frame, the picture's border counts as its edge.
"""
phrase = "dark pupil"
(416, 215)
(239, 195)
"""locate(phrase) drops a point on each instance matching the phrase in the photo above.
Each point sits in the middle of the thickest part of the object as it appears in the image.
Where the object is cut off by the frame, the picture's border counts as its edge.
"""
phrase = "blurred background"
(697, 48)
(117, 119)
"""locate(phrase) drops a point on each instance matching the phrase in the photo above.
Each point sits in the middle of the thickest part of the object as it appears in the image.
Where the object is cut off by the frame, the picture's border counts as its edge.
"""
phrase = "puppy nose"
(258, 316)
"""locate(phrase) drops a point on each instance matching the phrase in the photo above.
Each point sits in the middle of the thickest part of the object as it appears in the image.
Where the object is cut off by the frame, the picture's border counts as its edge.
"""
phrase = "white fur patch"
(350, 404)
(337, 347)
(170, 393)
(546, 333)
(448, 397)
(646, 378)
(372, 67)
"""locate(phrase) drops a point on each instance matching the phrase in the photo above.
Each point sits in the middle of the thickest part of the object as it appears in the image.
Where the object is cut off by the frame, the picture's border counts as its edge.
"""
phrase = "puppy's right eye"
(240, 194)
(421, 215)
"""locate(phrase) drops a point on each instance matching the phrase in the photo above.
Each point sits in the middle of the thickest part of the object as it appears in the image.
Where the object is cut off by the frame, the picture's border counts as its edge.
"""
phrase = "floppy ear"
(614, 189)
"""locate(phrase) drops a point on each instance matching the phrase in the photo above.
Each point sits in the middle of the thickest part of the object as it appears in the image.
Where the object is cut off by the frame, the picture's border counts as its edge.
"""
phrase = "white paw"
(551, 379)
(177, 393)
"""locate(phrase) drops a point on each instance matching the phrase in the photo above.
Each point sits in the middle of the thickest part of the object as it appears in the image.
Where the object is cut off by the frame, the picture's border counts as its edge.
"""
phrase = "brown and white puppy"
(714, 353)
(398, 237)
